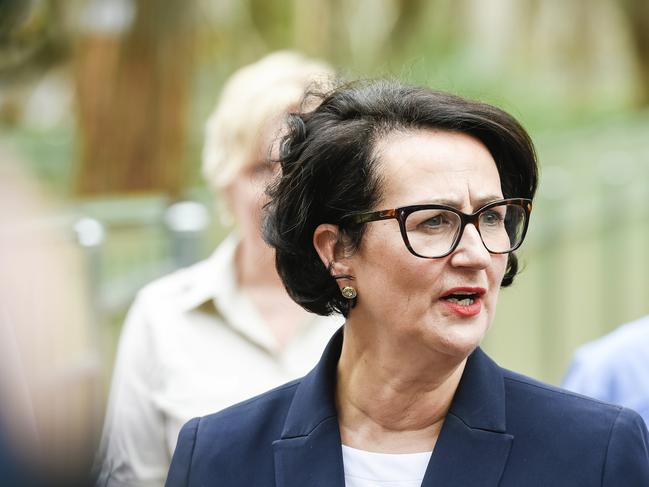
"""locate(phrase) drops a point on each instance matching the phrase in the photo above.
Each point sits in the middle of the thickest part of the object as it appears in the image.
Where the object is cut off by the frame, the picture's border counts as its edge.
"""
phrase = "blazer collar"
(480, 397)
(309, 451)
(472, 448)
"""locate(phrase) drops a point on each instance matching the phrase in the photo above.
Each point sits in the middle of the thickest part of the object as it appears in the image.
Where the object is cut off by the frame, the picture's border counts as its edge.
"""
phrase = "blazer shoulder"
(627, 455)
(219, 441)
(180, 468)
(564, 438)
(257, 412)
(555, 403)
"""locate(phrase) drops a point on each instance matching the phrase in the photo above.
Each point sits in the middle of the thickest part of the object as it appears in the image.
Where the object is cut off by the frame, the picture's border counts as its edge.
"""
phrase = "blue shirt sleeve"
(615, 368)
(584, 378)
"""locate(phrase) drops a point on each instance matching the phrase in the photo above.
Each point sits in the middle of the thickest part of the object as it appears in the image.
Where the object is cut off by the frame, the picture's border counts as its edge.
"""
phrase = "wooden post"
(132, 93)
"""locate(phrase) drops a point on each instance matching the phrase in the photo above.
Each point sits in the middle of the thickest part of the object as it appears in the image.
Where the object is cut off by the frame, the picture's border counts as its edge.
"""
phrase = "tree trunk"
(132, 93)
(637, 15)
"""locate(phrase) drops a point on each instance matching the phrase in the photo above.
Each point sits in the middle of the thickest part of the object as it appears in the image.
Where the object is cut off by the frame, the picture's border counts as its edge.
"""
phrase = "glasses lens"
(431, 233)
(502, 227)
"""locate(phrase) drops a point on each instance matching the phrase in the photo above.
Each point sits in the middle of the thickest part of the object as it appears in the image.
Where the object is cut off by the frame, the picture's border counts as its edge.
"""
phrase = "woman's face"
(404, 297)
(245, 195)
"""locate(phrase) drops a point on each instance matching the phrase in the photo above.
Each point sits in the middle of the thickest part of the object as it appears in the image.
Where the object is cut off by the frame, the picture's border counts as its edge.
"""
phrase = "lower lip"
(464, 311)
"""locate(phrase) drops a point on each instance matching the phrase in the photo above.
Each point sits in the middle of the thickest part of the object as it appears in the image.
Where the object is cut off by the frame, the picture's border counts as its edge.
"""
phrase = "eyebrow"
(456, 203)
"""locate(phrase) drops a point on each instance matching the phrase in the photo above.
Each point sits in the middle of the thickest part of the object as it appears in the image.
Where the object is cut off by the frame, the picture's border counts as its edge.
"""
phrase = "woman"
(224, 329)
(401, 208)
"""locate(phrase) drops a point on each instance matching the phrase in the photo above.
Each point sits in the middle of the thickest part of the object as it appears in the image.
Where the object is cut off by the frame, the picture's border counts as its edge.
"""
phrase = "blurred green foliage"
(570, 71)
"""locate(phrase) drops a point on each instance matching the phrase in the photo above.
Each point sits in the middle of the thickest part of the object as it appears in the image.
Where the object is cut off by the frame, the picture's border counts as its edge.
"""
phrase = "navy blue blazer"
(502, 429)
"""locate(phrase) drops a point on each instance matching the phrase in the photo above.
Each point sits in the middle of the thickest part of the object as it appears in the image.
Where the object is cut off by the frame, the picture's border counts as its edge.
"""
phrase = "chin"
(461, 340)
(459, 350)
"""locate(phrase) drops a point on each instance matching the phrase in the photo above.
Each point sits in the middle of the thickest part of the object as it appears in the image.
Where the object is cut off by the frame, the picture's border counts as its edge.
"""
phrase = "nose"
(470, 251)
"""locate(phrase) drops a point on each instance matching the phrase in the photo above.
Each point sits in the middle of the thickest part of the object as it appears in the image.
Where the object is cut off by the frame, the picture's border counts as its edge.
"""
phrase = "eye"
(262, 168)
(435, 221)
(492, 218)
(431, 221)
(260, 171)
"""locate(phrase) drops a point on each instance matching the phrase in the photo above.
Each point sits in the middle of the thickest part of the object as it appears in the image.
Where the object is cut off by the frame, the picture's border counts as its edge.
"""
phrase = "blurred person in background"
(223, 329)
(615, 368)
(49, 369)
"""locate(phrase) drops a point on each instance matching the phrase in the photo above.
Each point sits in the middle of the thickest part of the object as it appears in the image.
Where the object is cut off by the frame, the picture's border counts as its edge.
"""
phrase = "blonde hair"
(252, 97)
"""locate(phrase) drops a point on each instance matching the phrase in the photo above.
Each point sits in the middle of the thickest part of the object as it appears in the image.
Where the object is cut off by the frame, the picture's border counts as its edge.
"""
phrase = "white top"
(369, 469)
(192, 344)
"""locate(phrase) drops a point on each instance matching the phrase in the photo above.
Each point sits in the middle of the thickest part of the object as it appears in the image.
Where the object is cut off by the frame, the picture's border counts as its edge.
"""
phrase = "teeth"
(463, 302)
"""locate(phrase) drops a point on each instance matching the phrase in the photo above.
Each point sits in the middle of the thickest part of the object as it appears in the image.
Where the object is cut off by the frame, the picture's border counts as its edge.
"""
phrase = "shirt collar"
(214, 289)
(211, 277)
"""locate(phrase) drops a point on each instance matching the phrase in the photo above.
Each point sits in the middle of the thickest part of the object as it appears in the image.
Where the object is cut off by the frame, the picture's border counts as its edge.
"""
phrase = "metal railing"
(129, 242)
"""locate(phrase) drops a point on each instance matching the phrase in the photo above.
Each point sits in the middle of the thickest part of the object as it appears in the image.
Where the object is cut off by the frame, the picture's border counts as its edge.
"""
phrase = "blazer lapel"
(314, 460)
(309, 451)
(473, 446)
(467, 457)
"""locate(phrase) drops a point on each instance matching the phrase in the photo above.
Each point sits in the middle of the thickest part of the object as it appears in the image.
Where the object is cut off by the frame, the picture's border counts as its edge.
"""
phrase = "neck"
(258, 279)
(390, 401)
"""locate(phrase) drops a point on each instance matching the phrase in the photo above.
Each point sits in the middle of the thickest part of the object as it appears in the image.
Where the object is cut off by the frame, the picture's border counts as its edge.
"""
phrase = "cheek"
(380, 258)
(250, 197)
(497, 272)
(500, 266)
(391, 270)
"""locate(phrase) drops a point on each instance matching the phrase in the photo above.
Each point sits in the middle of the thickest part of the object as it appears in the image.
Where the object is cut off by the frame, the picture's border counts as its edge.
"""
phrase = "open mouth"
(462, 299)
(464, 296)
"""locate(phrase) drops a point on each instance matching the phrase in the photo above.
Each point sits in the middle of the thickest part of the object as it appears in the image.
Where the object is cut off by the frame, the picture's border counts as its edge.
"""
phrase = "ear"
(327, 243)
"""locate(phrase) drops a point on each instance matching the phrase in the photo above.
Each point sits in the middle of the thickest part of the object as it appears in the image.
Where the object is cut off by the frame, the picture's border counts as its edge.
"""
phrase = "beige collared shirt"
(192, 344)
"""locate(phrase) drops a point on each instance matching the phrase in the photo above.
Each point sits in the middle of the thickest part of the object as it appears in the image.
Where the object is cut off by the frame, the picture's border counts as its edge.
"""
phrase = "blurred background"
(102, 103)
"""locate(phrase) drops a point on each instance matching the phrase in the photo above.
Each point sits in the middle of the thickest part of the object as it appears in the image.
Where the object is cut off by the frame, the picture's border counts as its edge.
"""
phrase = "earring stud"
(349, 292)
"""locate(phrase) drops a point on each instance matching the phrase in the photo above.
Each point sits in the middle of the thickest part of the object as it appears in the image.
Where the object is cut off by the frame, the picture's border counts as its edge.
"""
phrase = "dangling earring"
(349, 292)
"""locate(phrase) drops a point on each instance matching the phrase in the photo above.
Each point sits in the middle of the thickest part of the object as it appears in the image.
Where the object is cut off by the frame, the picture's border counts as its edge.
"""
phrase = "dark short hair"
(329, 171)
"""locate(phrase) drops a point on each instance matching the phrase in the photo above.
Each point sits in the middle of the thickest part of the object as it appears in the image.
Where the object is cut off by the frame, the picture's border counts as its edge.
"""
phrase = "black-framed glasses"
(434, 231)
